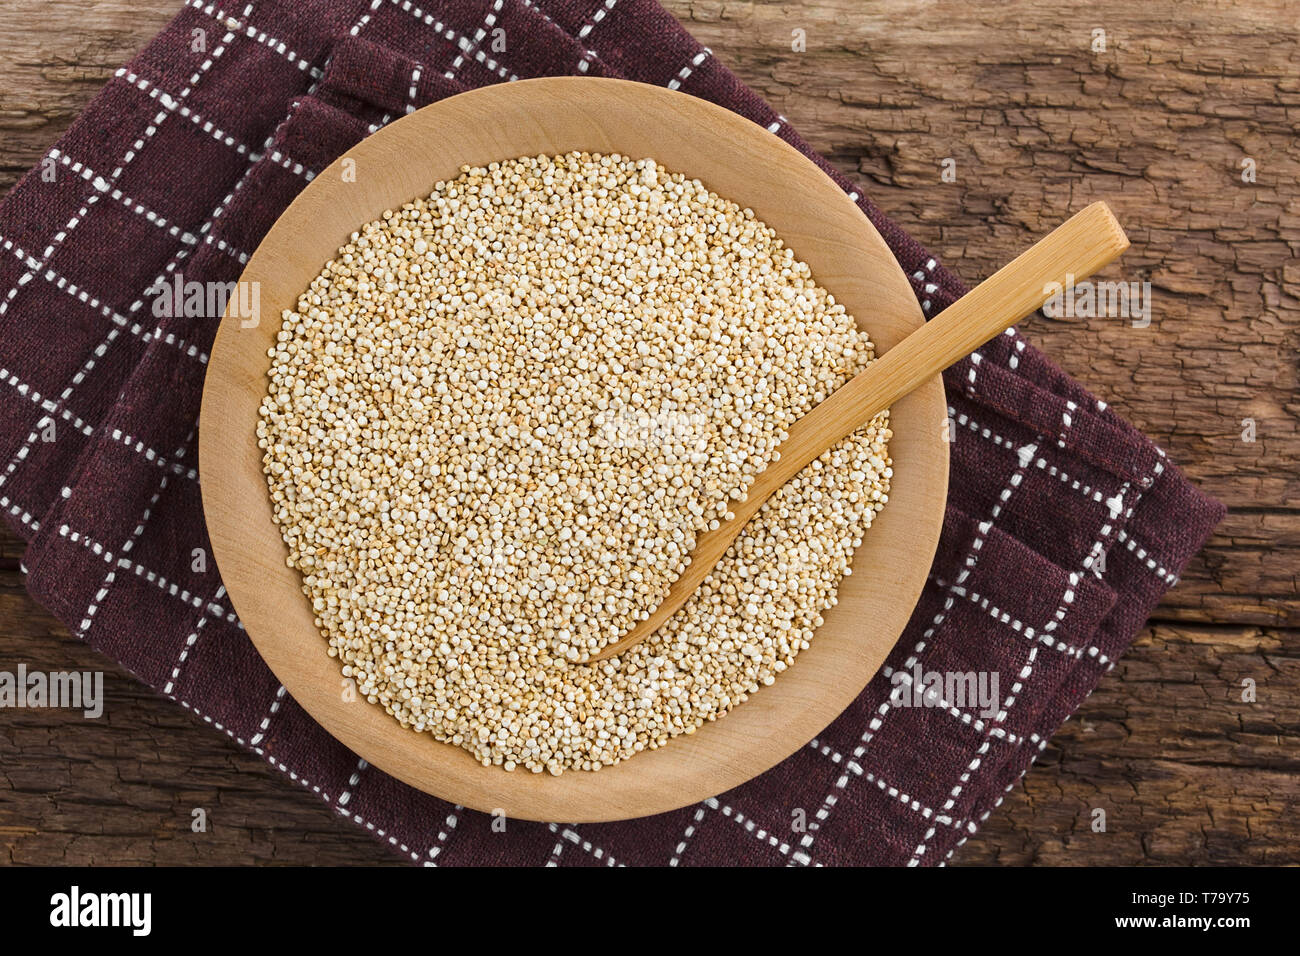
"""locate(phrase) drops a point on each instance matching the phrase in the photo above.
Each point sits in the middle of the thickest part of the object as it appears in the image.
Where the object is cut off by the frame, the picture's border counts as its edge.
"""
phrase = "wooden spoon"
(1074, 250)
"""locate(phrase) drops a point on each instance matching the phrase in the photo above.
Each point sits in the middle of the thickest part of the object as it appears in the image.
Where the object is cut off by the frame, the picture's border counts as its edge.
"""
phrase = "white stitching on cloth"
(185, 652)
(684, 73)
(81, 295)
(920, 274)
(443, 834)
(1152, 565)
(111, 576)
(378, 831)
(292, 774)
(24, 450)
(1024, 455)
(1021, 679)
(212, 11)
(596, 17)
(1115, 505)
(410, 95)
(975, 359)
(588, 56)
(13, 508)
(276, 701)
(101, 187)
(153, 457)
(383, 121)
(1039, 636)
(353, 780)
(81, 214)
(361, 24)
(472, 46)
(431, 21)
(220, 135)
(1013, 360)
(45, 404)
(141, 571)
(977, 724)
(89, 175)
(752, 828)
(568, 833)
(691, 827)
(1040, 462)
(826, 750)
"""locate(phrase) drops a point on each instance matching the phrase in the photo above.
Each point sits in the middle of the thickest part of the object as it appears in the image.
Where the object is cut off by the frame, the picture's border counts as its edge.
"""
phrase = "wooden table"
(1038, 120)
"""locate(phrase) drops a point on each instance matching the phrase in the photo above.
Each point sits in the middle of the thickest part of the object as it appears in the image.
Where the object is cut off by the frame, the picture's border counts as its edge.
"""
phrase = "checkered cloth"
(1063, 529)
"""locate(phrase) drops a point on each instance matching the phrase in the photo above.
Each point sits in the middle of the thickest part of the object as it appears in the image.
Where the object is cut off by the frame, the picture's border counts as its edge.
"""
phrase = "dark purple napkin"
(1063, 529)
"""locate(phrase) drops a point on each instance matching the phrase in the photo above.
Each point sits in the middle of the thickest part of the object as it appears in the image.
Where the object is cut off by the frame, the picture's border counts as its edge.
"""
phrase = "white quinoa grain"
(497, 422)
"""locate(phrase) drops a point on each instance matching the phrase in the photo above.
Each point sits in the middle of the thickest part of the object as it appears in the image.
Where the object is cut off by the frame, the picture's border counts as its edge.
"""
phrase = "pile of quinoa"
(500, 416)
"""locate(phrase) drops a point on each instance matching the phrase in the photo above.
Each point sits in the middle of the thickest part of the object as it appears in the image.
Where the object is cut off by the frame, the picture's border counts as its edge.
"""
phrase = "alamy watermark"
(1086, 299)
(960, 689)
(76, 690)
(77, 909)
(636, 428)
(207, 300)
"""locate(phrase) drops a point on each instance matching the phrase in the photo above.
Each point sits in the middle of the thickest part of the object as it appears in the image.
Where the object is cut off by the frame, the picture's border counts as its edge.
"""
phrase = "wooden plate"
(736, 159)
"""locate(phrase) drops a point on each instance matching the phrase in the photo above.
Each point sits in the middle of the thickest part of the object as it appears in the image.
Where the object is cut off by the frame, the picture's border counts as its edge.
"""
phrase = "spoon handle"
(1084, 243)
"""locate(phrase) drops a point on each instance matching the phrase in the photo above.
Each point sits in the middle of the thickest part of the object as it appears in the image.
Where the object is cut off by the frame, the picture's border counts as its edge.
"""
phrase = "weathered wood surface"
(1038, 123)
